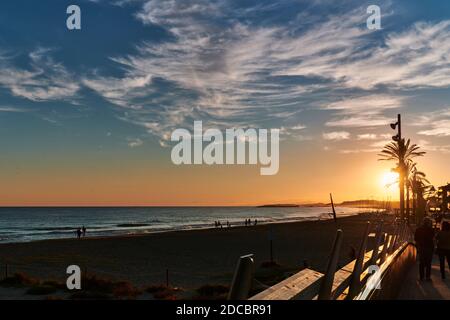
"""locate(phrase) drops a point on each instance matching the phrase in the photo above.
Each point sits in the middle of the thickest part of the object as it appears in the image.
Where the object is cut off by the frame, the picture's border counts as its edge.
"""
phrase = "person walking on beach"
(78, 233)
(84, 231)
(443, 246)
(424, 238)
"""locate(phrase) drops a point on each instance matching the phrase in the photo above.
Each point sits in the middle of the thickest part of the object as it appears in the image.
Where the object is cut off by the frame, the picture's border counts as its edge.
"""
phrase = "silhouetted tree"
(402, 152)
(416, 182)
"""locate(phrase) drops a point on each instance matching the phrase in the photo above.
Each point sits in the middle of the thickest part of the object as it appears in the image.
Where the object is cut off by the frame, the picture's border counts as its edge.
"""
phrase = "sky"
(86, 115)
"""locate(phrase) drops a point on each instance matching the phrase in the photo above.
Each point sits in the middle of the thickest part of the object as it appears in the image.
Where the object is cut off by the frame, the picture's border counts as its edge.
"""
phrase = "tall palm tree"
(416, 182)
(410, 166)
(401, 152)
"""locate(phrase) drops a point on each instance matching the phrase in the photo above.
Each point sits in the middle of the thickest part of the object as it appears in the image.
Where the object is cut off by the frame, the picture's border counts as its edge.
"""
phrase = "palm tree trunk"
(407, 204)
(402, 193)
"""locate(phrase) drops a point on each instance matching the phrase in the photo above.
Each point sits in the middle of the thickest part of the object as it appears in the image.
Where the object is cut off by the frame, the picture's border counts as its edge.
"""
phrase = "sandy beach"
(193, 258)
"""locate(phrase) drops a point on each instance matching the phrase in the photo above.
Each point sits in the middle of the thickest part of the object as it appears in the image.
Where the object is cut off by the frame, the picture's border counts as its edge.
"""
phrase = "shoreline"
(186, 228)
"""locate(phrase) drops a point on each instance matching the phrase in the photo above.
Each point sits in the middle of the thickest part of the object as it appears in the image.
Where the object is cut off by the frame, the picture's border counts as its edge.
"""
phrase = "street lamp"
(401, 165)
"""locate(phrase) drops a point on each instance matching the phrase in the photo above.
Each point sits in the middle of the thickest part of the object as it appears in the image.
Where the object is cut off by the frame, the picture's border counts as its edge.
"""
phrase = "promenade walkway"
(436, 289)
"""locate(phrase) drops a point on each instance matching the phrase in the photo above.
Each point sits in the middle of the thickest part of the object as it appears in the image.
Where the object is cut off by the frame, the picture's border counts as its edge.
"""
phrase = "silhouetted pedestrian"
(443, 246)
(84, 231)
(78, 233)
(424, 237)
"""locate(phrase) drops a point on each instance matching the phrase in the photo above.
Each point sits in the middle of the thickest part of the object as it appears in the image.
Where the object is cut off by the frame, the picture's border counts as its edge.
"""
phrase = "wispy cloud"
(133, 143)
(336, 135)
(359, 121)
(45, 80)
(219, 68)
(11, 109)
(440, 128)
(436, 123)
(428, 146)
(238, 72)
(367, 136)
(363, 111)
(417, 57)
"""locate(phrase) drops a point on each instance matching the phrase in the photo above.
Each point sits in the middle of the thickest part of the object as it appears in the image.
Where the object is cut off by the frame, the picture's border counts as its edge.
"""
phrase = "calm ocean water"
(29, 224)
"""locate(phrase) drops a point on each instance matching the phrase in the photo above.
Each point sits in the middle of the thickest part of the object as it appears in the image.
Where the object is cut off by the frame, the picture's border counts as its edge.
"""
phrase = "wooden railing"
(359, 279)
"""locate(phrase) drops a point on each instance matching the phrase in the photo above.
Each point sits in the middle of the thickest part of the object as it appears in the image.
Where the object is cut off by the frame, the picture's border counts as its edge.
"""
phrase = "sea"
(31, 224)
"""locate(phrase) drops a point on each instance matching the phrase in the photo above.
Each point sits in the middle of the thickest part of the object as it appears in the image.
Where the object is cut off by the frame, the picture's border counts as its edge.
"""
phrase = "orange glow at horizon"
(304, 177)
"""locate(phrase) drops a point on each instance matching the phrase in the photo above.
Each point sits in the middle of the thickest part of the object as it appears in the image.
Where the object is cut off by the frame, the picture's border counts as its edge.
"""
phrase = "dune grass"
(19, 280)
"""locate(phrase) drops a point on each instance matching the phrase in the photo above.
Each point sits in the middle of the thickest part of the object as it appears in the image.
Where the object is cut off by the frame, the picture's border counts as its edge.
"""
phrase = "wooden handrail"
(345, 283)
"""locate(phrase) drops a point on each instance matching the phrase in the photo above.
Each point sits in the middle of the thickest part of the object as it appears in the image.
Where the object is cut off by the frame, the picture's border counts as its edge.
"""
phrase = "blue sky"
(139, 69)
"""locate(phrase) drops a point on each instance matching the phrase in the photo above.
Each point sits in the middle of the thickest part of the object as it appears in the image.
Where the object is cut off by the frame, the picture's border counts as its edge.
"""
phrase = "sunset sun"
(389, 179)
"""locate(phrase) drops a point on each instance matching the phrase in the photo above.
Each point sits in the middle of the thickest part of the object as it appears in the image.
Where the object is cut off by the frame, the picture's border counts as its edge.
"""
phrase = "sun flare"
(389, 179)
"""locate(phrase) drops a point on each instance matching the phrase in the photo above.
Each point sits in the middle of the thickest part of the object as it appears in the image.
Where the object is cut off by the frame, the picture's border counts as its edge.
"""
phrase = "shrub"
(162, 292)
(18, 280)
(124, 289)
(213, 290)
(84, 295)
(41, 290)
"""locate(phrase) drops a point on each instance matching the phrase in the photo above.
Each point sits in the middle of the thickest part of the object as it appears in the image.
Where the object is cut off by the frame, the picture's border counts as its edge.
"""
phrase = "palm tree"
(402, 153)
(416, 182)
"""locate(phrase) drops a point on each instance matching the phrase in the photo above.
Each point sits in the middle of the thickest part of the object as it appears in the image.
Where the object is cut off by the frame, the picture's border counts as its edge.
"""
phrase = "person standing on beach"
(78, 233)
(84, 231)
(443, 246)
(424, 238)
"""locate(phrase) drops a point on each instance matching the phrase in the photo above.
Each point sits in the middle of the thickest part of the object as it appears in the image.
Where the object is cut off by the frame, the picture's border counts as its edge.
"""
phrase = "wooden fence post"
(394, 240)
(408, 233)
(355, 281)
(386, 239)
(378, 235)
(400, 235)
(327, 281)
(403, 234)
(242, 279)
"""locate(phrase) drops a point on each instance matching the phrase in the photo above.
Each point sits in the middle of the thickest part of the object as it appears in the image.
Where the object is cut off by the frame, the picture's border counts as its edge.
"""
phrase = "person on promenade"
(424, 238)
(443, 246)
